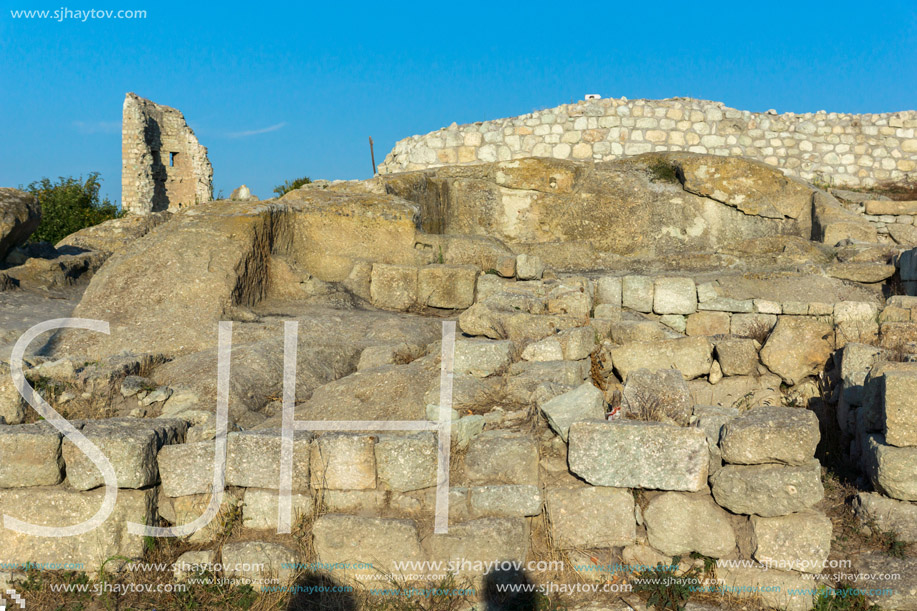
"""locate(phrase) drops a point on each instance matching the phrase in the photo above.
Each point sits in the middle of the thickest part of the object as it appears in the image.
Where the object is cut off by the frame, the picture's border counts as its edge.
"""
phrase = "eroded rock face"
(20, 214)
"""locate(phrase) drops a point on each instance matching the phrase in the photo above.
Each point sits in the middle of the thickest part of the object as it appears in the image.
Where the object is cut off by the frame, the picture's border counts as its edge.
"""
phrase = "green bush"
(289, 185)
(69, 205)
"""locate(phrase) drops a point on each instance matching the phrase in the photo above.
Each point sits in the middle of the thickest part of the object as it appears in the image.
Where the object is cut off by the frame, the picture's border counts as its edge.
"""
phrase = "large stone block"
(591, 517)
(504, 501)
(890, 515)
(187, 468)
(481, 357)
(393, 287)
(768, 490)
(657, 395)
(637, 293)
(674, 296)
(342, 461)
(708, 323)
(692, 356)
(375, 544)
(57, 507)
(900, 413)
(254, 457)
(797, 542)
(678, 524)
(260, 561)
(608, 290)
(799, 346)
(446, 286)
(900, 593)
(408, 461)
(784, 590)
(893, 471)
(710, 419)
(529, 267)
(586, 402)
(771, 435)
(738, 356)
(12, 406)
(485, 540)
(30, 455)
(630, 454)
(500, 457)
(185, 509)
(131, 444)
(260, 508)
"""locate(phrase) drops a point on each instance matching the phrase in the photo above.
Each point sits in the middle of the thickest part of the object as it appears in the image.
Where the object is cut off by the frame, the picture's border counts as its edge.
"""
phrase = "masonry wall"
(163, 166)
(839, 149)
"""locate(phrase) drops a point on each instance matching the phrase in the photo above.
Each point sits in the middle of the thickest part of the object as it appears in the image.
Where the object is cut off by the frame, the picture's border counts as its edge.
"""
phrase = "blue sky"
(276, 91)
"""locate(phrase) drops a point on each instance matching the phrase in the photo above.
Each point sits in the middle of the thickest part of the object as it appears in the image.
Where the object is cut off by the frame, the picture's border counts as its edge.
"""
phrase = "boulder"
(797, 542)
(799, 346)
(586, 402)
(893, 471)
(737, 356)
(768, 490)
(767, 434)
(692, 356)
(645, 455)
(30, 455)
(20, 214)
(678, 524)
(591, 517)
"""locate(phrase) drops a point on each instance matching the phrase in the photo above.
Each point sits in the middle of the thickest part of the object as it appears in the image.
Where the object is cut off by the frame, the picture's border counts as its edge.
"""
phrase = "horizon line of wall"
(832, 148)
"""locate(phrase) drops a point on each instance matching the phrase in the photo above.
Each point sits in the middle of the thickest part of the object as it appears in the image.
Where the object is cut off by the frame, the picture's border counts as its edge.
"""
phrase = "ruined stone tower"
(163, 166)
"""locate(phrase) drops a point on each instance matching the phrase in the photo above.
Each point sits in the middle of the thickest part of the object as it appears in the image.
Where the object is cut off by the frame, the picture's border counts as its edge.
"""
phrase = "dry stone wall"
(163, 166)
(835, 148)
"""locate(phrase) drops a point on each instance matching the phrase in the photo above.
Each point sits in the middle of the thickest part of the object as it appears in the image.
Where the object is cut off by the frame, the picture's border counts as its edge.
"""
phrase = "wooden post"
(372, 154)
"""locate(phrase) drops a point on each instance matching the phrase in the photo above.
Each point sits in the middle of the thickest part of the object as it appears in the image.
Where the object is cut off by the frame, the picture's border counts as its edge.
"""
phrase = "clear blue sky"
(276, 92)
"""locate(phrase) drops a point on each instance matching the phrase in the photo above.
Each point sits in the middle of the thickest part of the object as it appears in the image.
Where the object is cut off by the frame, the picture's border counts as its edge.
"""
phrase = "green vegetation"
(290, 185)
(69, 205)
(842, 598)
(666, 588)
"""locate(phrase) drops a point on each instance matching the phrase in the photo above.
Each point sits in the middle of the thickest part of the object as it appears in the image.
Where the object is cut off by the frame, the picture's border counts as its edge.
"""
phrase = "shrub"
(290, 185)
(69, 205)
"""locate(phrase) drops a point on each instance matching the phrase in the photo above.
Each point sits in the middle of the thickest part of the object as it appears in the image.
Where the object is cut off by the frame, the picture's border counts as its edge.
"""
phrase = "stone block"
(481, 541)
(692, 356)
(893, 471)
(591, 517)
(253, 459)
(645, 455)
(637, 293)
(710, 419)
(373, 543)
(500, 457)
(889, 515)
(749, 325)
(659, 395)
(586, 402)
(186, 468)
(260, 508)
(708, 323)
(900, 413)
(900, 594)
(674, 296)
(343, 461)
(797, 542)
(768, 434)
(407, 462)
(446, 286)
(504, 501)
(737, 356)
(799, 346)
(259, 562)
(768, 490)
(678, 524)
(608, 290)
(481, 357)
(30, 455)
(529, 267)
(784, 590)
(185, 509)
(393, 287)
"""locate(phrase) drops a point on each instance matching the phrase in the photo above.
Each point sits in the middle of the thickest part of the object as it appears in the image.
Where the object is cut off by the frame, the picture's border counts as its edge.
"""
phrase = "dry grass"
(760, 330)
(646, 405)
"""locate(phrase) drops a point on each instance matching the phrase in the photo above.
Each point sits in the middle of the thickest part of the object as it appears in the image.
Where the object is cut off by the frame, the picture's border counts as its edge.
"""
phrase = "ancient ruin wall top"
(163, 166)
(833, 148)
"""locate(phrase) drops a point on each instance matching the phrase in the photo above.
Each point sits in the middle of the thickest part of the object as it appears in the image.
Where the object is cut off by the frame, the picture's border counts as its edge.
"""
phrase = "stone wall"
(163, 166)
(835, 148)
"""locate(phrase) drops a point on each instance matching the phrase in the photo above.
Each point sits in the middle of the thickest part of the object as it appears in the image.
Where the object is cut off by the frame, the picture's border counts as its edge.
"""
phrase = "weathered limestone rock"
(529, 267)
(586, 402)
(737, 357)
(855, 321)
(608, 290)
(373, 541)
(797, 347)
(767, 434)
(253, 459)
(692, 356)
(407, 462)
(30, 455)
(481, 357)
(260, 508)
(674, 296)
(750, 324)
(591, 516)
(20, 214)
(191, 564)
(659, 395)
(483, 540)
(707, 323)
(900, 413)
(899, 517)
(785, 590)
(768, 490)
(798, 542)
(490, 321)
(388, 354)
(893, 471)
(186, 468)
(678, 524)
(501, 457)
(831, 223)
(342, 461)
(638, 293)
(243, 194)
(903, 595)
(131, 444)
(163, 164)
(393, 287)
(258, 561)
(114, 235)
(57, 507)
(12, 405)
(710, 419)
(645, 455)
(446, 286)
(544, 350)
(504, 501)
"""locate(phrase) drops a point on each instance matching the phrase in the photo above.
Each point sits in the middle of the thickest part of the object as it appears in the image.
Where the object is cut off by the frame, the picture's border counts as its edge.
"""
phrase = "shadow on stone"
(504, 590)
(317, 592)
